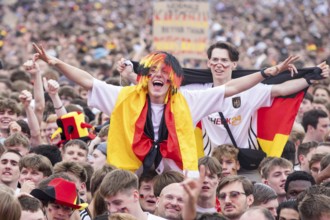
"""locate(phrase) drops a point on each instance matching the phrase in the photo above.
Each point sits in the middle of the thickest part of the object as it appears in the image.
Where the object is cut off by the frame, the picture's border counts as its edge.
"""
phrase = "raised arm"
(52, 86)
(75, 74)
(26, 97)
(33, 68)
(192, 189)
(293, 86)
(241, 84)
(125, 68)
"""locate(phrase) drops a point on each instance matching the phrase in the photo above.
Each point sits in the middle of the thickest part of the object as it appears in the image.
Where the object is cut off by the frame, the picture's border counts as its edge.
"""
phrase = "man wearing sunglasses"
(235, 196)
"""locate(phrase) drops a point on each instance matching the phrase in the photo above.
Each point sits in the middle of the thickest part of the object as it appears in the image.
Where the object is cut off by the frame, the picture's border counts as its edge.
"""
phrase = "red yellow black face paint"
(156, 60)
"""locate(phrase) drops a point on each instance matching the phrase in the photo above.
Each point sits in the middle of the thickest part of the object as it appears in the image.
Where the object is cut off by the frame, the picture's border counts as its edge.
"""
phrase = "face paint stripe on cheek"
(225, 66)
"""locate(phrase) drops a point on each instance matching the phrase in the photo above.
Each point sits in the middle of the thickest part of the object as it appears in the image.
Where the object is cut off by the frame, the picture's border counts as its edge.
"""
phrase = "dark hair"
(36, 162)
(315, 158)
(98, 176)
(9, 103)
(96, 180)
(73, 167)
(212, 164)
(89, 171)
(29, 203)
(320, 86)
(79, 101)
(116, 181)
(25, 127)
(20, 75)
(262, 194)
(314, 206)
(81, 144)
(211, 216)
(308, 96)
(314, 190)
(146, 177)
(289, 204)
(312, 118)
(298, 175)
(12, 151)
(67, 91)
(289, 152)
(304, 148)
(50, 151)
(232, 50)
(246, 183)
(165, 179)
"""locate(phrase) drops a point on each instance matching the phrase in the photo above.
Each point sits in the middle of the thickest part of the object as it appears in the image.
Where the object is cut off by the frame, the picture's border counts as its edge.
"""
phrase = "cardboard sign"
(181, 28)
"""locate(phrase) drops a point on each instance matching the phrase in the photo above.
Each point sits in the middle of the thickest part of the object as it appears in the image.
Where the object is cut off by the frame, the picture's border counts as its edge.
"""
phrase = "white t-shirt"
(154, 217)
(206, 210)
(238, 111)
(200, 102)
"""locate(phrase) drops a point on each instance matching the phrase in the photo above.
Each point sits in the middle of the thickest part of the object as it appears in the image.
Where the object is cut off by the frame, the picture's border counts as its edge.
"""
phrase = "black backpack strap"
(224, 122)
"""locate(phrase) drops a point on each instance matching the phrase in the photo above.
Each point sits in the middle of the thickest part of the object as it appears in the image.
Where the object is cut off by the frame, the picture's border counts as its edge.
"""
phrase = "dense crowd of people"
(85, 133)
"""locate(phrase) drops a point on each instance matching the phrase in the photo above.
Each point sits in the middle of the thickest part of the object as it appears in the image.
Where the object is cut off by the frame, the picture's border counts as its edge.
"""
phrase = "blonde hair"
(226, 150)
(51, 118)
(10, 208)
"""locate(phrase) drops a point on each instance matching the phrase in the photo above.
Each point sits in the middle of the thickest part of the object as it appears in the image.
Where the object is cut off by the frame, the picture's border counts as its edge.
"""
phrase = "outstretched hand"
(287, 64)
(193, 187)
(41, 54)
(325, 69)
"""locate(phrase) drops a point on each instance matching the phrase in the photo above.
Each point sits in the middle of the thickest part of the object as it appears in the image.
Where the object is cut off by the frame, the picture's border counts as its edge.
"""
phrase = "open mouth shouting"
(158, 84)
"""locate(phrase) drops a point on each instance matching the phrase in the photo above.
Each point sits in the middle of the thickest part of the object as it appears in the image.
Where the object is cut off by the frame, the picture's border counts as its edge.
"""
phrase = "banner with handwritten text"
(181, 28)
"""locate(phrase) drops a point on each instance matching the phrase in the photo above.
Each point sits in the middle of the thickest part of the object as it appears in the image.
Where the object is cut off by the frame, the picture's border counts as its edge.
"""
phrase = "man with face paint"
(119, 189)
(240, 110)
(152, 123)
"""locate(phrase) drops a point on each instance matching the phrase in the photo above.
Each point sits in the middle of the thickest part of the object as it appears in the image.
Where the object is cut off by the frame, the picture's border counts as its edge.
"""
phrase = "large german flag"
(274, 122)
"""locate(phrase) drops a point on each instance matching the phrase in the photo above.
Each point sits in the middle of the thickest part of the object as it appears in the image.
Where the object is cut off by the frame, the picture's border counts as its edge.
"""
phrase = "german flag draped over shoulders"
(274, 123)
